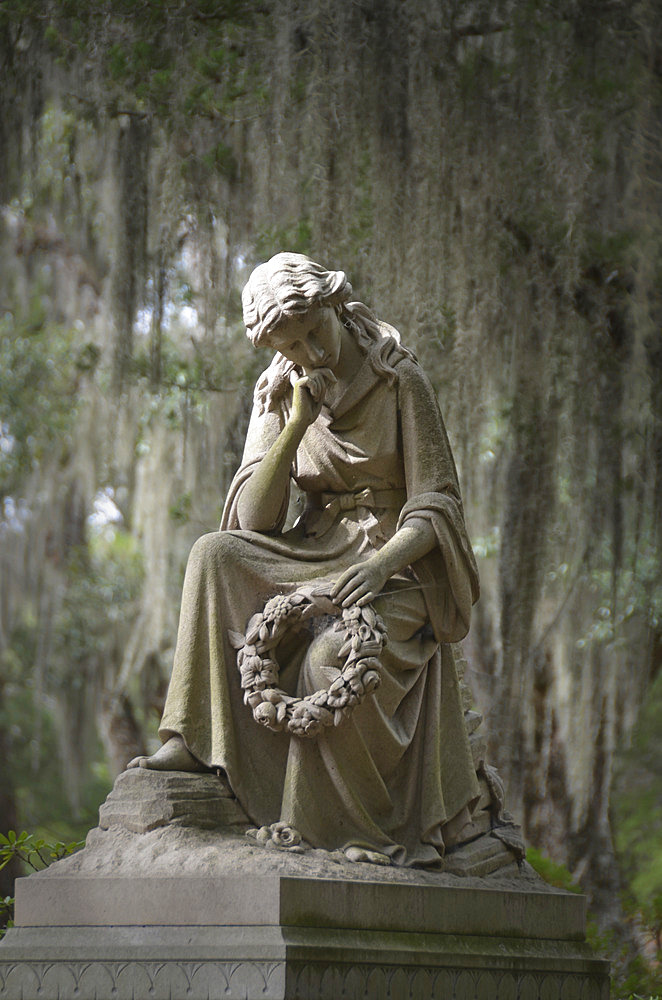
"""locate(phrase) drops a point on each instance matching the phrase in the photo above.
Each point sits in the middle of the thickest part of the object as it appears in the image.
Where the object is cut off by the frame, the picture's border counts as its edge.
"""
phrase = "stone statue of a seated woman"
(343, 621)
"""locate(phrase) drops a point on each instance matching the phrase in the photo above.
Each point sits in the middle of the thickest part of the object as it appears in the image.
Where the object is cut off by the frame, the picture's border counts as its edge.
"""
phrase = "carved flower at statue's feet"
(278, 835)
(284, 835)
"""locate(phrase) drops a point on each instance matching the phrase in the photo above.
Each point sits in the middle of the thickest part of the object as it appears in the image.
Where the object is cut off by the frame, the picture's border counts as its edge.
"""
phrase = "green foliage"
(553, 873)
(104, 580)
(27, 717)
(634, 977)
(99, 586)
(222, 159)
(631, 976)
(142, 52)
(180, 510)
(6, 914)
(637, 813)
(608, 251)
(33, 852)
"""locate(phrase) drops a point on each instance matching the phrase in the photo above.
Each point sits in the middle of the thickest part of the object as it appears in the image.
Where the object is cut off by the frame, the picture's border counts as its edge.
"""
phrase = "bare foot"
(172, 756)
(363, 854)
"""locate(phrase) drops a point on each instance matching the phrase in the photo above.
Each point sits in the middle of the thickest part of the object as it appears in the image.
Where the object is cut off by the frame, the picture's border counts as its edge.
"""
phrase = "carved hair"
(285, 286)
(291, 283)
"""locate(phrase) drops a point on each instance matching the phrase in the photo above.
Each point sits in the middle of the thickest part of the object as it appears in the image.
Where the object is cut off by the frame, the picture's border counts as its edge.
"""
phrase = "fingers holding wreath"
(359, 584)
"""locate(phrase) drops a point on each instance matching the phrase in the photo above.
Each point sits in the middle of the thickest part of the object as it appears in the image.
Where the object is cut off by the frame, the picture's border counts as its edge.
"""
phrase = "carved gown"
(395, 774)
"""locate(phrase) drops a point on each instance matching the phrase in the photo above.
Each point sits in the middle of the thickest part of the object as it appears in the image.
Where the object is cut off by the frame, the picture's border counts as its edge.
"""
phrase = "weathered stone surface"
(81, 901)
(485, 800)
(284, 963)
(479, 858)
(144, 800)
(281, 937)
(472, 721)
(480, 824)
(154, 820)
(348, 406)
(478, 748)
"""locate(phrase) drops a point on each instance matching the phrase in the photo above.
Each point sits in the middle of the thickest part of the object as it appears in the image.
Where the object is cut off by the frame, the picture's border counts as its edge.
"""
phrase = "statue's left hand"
(361, 583)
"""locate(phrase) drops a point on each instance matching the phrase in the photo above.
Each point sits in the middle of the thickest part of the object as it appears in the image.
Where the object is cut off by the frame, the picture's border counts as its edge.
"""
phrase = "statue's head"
(287, 285)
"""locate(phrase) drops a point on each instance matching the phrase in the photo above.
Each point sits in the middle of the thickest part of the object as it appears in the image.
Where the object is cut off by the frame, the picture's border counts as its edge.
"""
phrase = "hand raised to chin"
(309, 393)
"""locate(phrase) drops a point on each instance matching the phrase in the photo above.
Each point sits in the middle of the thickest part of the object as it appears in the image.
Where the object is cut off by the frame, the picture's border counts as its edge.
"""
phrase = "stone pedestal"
(271, 936)
(157, 909)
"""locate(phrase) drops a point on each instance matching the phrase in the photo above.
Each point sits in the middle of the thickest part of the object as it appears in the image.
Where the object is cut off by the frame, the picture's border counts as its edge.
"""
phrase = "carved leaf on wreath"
(237, 640)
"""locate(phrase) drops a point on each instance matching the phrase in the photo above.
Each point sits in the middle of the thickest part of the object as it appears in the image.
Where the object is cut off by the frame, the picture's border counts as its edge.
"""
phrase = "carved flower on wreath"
(280, 606)
(359, 621)
(265, 713)
(364, 636)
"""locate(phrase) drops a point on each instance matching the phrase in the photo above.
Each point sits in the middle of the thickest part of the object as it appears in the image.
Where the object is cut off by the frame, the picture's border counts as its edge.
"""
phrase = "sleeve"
(448, 574)
(263, 429)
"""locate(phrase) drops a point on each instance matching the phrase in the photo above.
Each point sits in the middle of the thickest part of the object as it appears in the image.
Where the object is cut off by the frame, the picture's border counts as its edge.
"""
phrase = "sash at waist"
(322, 509)
(334, 502)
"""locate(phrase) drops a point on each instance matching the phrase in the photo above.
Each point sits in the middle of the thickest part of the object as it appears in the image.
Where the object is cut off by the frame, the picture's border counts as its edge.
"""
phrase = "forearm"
(413, 541)
(263, 495)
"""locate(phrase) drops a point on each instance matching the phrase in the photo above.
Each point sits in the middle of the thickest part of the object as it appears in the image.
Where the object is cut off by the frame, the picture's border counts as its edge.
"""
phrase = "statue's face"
(311, 340)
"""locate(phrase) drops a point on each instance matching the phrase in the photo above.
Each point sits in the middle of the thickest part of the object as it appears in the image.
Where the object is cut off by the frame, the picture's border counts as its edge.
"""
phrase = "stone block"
(143, 800)
(271, 900)
(479, 857)
(281, 938)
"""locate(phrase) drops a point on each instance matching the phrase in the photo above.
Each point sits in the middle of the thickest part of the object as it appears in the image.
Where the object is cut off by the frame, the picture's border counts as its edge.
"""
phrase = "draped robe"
(397, 775)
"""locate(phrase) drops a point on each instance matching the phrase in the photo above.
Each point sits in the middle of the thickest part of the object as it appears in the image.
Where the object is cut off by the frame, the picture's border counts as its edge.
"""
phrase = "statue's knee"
(321, 663)
(215, 548)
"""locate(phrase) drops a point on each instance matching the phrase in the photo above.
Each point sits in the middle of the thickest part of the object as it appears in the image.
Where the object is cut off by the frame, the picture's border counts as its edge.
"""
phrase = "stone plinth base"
(276, 936)
(170, 900)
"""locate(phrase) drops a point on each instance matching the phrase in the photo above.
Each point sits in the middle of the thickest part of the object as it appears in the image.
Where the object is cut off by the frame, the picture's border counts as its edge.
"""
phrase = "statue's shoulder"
(411, 377)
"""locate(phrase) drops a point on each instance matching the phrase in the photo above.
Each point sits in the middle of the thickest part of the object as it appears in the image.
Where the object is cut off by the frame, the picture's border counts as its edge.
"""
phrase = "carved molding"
(370, 982)
(210, 980)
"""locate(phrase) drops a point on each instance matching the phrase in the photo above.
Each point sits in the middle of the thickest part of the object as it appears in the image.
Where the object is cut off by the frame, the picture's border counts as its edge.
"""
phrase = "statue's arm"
(430, 476)
(265, 492)
(263, 495)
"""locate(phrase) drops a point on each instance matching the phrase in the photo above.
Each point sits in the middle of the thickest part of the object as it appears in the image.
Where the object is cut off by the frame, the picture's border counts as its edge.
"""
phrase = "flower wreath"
(365, 636)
